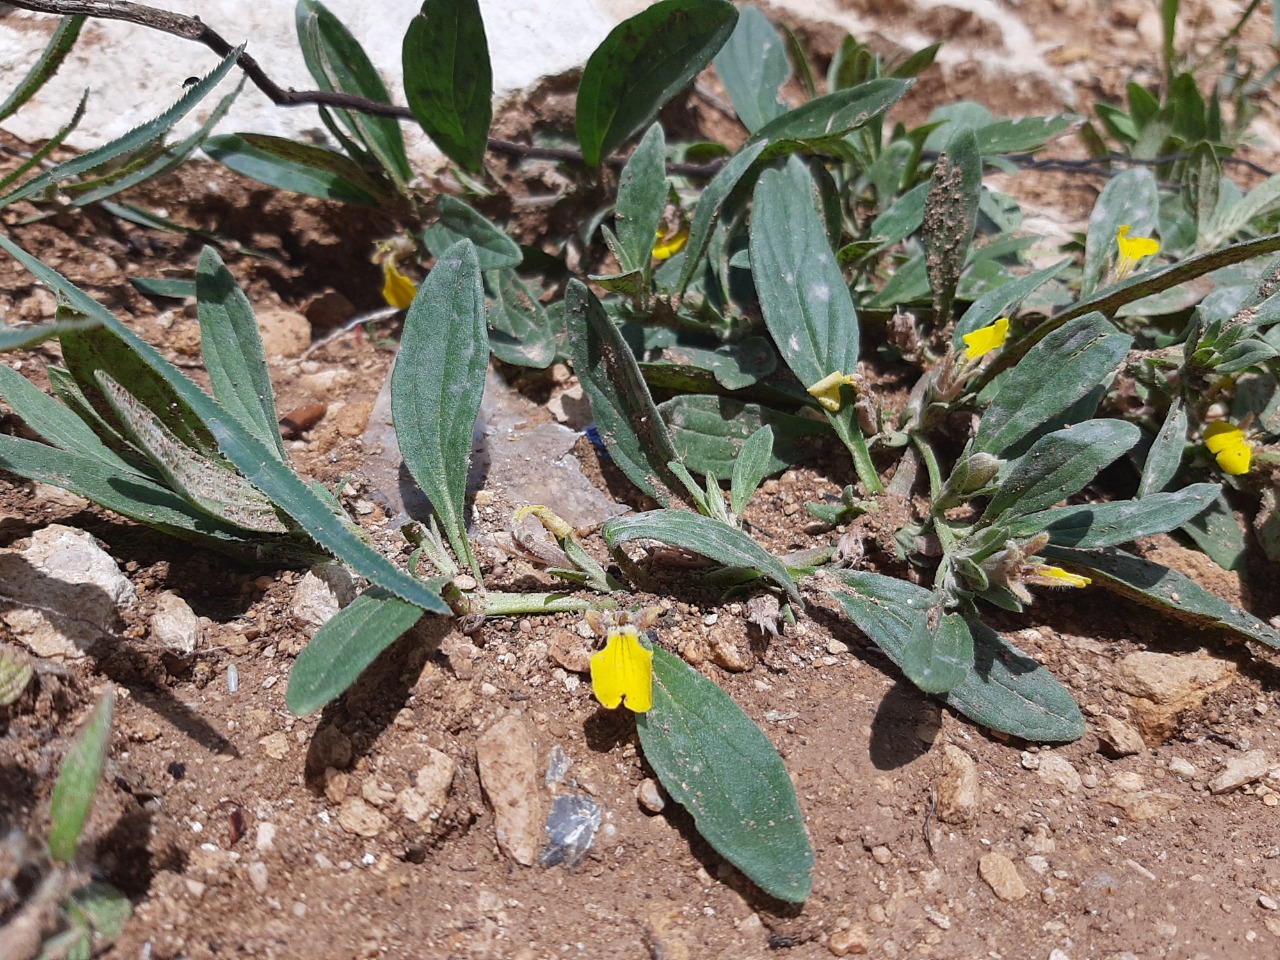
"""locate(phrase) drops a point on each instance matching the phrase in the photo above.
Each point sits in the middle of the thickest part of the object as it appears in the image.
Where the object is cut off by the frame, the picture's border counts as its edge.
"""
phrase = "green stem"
(512, 604)
(940, 525)
(856, 444)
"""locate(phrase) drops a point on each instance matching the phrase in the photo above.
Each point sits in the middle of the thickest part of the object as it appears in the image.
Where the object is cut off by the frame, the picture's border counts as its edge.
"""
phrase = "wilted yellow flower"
(1229, 447)
(827, 390)
(1046, 576)
(985, 339)
(669, 245)
(623, 670)
(397, 289)
(1132, 249)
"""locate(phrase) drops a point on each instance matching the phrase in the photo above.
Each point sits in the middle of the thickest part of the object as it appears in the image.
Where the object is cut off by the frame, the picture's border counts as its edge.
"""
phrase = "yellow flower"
(985, 339)
(827, 390)
(397, 289)
(668, 246)
(1132, 249)
(1047, 576)
(623, 670)
(1229, 447)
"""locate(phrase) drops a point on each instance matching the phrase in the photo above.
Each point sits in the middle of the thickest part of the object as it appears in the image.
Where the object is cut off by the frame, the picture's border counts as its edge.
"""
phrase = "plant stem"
(856, 444)
(511, 604)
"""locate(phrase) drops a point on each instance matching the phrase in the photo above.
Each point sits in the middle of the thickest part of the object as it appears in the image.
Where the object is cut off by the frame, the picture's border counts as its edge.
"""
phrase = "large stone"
(1057, 771)
(1163, 687)
(66, 592)
(508, 761)
(957, 786)
(1241, 769)
(1143, 805)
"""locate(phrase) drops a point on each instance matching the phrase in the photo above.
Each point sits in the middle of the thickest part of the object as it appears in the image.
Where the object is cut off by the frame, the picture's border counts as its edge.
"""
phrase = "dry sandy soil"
(240, 830)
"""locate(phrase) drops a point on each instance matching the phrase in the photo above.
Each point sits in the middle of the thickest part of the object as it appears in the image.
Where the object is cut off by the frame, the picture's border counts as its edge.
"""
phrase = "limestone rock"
(1057, 771)
(285, 333)
(1164, 686)
(359, 818)
(66, 592)
(321, 593)
(1241, 769)
(507, 758)
(957, 787)
(1119, 738)
(1002, 877)
(175, 625)
(1143, 805)
(426, 798)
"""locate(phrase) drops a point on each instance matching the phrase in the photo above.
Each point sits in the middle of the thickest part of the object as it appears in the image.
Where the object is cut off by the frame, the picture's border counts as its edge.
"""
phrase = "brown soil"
(220, 813)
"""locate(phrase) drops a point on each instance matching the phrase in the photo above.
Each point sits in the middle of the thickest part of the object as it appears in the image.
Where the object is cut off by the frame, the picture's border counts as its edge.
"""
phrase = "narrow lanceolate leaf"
(24, 338)
(208, 485)
(438, 383)
(642, 195)
(1129, 198)
(1054, 374)
(1155, 585)
(753, 66)
(826, 120)
(232, 349)
(300, 167)
(1005, 689)
(1093, 525)
(951, 217)
(725, 772)
(1003, 301)
(1060, 464)
(78, 780)
(938, 659)
(710, 204)
(750, 468)
(1165, 455)
(460, 221)
(644, 62)
(448, 80)
(285, 488)
(342, 648)
(50, 59)
(803, 295)
(704, 536)
(627, 418)
(338, 62)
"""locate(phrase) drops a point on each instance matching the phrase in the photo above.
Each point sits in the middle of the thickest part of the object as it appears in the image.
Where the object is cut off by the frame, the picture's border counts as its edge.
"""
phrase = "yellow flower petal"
(668, 247)
(397, 289)
(827, 390)
(1057, 577)
(1132, 249)
(985, 339)
(1229, 447)
(623, 670)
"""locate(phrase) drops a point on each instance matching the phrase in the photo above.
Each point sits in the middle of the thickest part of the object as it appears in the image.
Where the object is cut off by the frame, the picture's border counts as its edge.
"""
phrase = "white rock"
(426, 798)
(174, 624)
(1058, 771)
(326, 589)
(66, 591)
(258, 876)
(1239, 770)
(1182, 768)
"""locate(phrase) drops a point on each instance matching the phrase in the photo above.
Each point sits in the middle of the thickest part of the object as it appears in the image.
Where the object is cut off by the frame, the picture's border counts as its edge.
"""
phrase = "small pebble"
(1267, 903)
(1182, 768)
(258, 876)
(881, 855)
(1002, 877)
(649, 795)
(852, 940)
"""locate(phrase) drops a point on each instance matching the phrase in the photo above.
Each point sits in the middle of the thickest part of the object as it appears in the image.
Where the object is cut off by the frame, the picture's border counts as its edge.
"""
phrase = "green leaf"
(285, 488)
(938, 660)
(751, 467)
(1023, 134)
(1154, 585)
(706, 537)
(437, 386)
(642, 196)
(709, 433)
(1091, 526)
(78, 780)
(644, 62)
(1053, 375)
(46, 65)
(827, 120)
(342, 648)
(104, 907)
(1165, 455)
(338, 62)
(716, 763)
(16, 671)
(951, 217)
(172, 288)
(300, 167)
(448, 80)
(1128, 198)
(1060, 464)
(628, 420)
(459, 221)
(1005, 689)
(710, 204)
(1217, 532)
(753, 66)
(24, 338)
(522, 331)
(232, 349)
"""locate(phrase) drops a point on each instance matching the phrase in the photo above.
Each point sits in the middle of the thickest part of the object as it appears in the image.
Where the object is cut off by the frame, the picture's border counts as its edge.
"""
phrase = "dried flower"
(827, 390)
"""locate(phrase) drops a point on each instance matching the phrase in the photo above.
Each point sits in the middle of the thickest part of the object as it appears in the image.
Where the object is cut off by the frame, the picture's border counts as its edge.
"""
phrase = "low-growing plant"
(1057, 413)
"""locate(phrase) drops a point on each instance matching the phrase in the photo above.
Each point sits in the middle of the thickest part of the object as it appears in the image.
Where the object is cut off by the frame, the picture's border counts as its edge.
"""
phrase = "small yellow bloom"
(1229, 447)
(1047, 576)
(1132, 249)
(827, 390)
(623, 670)
(669, 245)
(985, 339)
(397, 289)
